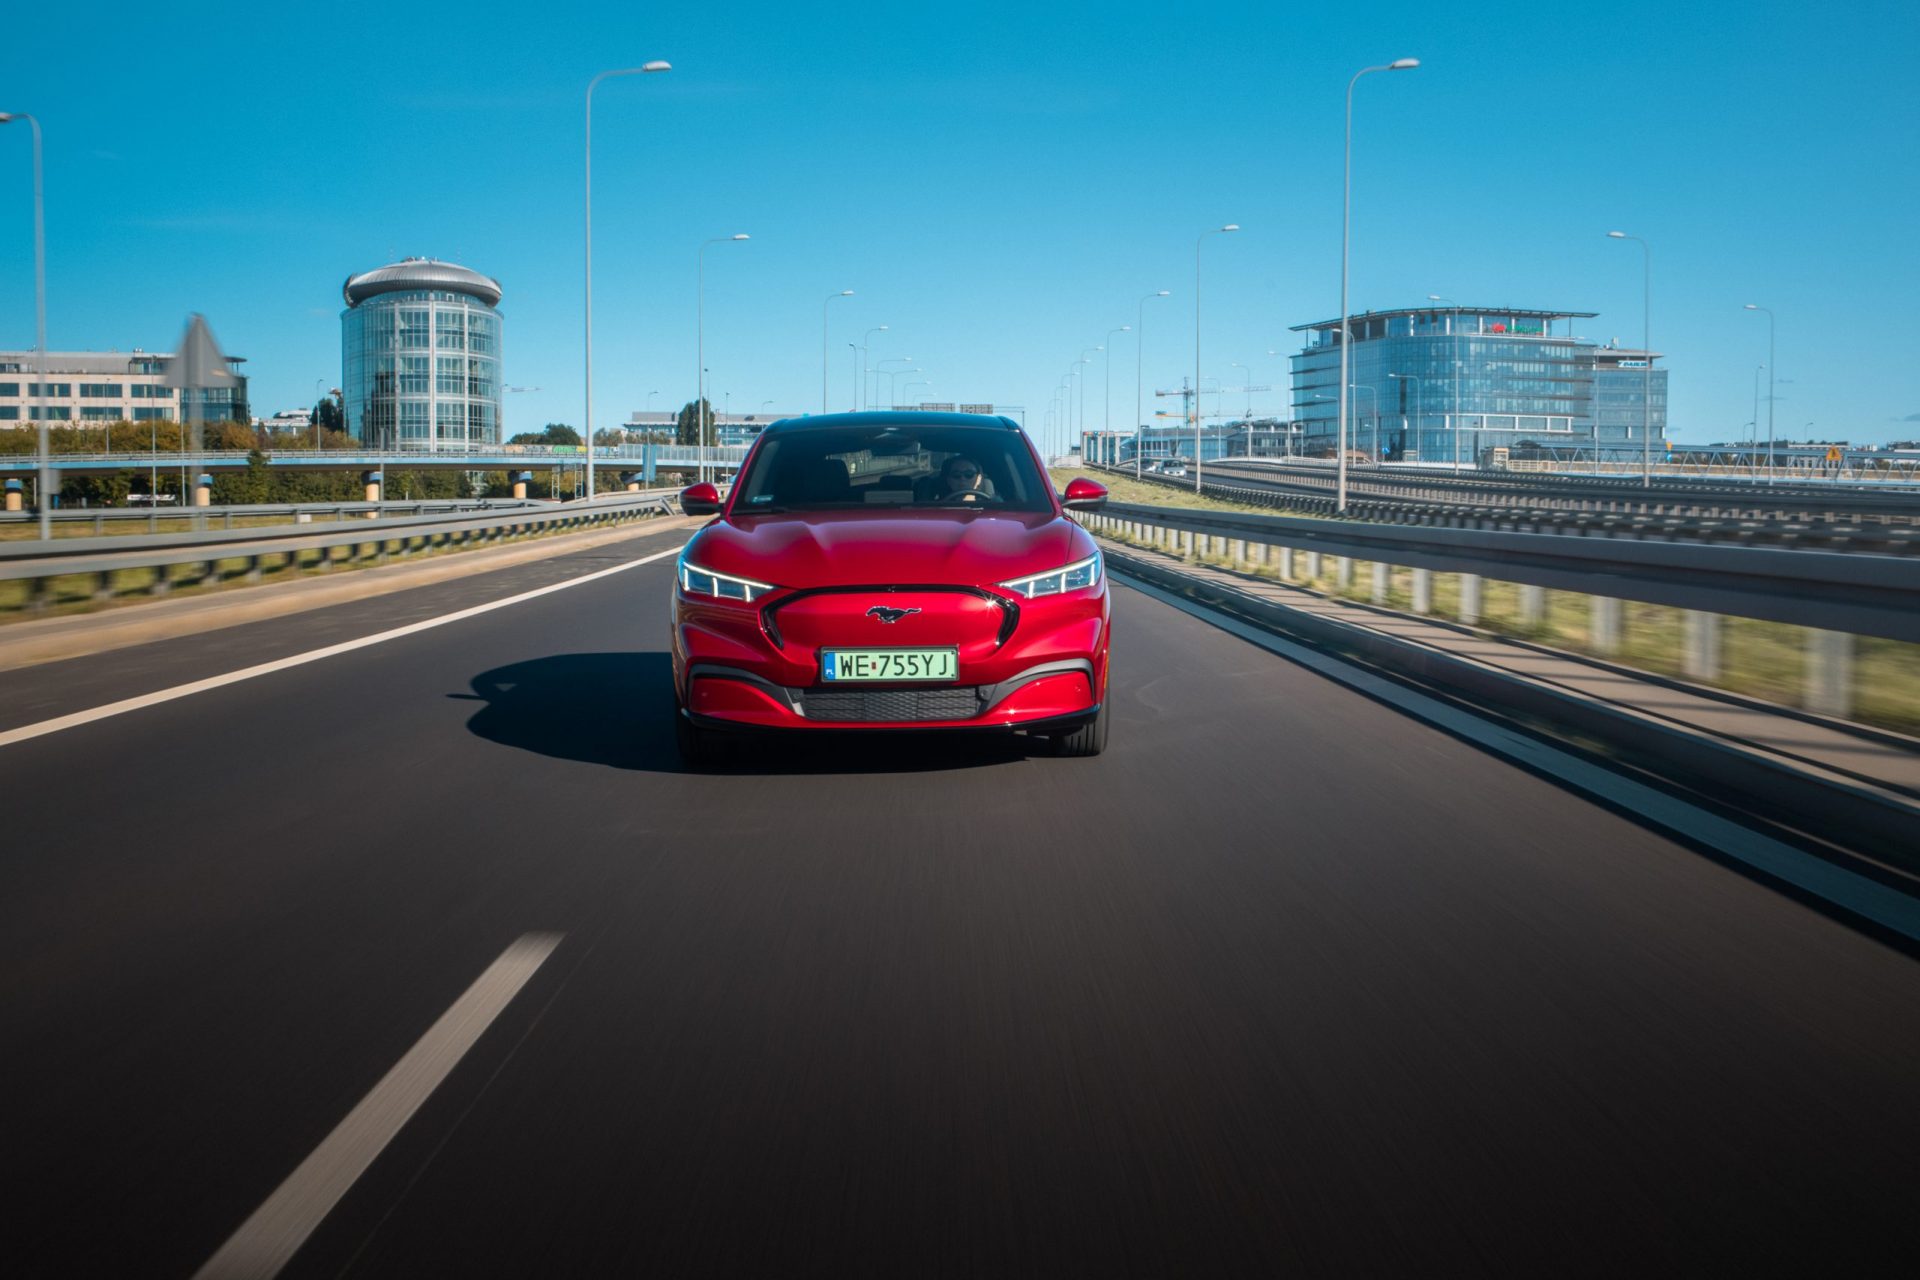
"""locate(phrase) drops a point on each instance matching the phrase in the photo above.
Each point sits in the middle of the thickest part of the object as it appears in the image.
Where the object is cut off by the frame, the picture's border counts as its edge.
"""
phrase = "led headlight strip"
(721, 586)
(1081, 573)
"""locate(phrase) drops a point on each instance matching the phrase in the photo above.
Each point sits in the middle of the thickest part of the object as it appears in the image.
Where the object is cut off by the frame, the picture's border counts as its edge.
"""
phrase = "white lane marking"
(1867, 898)
(77, 718)
(267, 1240)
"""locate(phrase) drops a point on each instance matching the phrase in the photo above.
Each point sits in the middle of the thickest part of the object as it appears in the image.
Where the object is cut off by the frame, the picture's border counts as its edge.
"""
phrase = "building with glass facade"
(100, 387)
(1440, 384)
(420, 340)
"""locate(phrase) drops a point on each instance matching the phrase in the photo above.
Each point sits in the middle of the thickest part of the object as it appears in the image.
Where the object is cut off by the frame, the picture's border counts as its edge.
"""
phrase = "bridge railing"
(64, 569)
(1839, 598)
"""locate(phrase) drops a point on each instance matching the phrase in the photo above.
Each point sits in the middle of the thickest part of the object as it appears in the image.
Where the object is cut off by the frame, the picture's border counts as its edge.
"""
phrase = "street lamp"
(844, 293)
(1756, 415)
(1087, 356)
(892, 378)
(1106, 391)
(1200, 240)
(1346, 224)
(1139, 365)
(917, 382)
(39, 321)
(860, 394)
(1247, 371)
(1755, 424)
(1646, 343)
(700, 413)
(647, 68)
(1454, 424)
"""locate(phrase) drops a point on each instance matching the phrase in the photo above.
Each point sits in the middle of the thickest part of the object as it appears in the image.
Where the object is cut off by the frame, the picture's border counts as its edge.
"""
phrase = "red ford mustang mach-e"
(891, 571)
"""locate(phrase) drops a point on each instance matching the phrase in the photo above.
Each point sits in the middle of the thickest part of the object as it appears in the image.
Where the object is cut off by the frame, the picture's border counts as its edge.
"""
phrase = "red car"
(891, 571)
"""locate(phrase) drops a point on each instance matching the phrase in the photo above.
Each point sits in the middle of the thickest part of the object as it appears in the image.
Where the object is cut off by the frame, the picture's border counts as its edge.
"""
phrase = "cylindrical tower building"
(420, 341)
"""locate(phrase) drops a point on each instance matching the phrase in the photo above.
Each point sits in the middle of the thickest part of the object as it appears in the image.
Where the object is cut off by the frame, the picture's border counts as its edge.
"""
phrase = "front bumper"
(1052, 695)
(1022, 664)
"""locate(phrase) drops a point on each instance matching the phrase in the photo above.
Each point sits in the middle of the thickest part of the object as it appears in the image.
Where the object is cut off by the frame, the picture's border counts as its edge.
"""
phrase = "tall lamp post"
(1346, 225)
(1646, 343)
(39, 321)
(1106, 392)
(1139, 367)
(1200, 240)
(700, 414)
(866, 339)
(647, 68)
(844, 293)
(1087, 355)
(1769, 310)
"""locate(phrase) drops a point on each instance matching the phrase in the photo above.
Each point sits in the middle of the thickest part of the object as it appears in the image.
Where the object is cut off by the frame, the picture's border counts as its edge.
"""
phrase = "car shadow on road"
(616, 709)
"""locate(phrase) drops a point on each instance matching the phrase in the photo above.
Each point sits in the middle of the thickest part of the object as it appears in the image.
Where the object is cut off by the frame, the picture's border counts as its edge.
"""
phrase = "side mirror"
(1084, 495)
(701, 499)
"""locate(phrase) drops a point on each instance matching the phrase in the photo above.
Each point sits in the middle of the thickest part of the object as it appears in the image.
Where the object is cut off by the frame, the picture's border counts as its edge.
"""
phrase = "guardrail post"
(1470, 599)
(1829, 687)
(103, 585)
(1700, 645)
(1286, 564)
(1343, 571)
(1533, 606)
(1423, 591)
(1604, 624)
(1237, 552)
(1186, 543)
(1313, 566)
(1382, 579)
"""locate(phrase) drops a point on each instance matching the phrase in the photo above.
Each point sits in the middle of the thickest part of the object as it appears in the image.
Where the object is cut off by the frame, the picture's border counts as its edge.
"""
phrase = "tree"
(687, 426)
(555, 433)
(328, 416)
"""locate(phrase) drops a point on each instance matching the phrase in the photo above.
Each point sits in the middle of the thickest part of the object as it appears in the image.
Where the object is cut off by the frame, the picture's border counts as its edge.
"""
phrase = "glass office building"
(421, 340)
(1440, 384)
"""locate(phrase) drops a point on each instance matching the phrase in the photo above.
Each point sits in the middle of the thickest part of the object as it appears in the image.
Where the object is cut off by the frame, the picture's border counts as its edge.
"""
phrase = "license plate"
(889, 664)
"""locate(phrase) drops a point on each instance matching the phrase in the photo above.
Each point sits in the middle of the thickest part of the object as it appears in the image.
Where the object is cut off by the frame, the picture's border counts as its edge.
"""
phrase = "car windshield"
(893, 465)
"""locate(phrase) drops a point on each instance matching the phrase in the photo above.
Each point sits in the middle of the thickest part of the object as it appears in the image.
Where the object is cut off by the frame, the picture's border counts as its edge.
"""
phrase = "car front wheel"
(1090, 739)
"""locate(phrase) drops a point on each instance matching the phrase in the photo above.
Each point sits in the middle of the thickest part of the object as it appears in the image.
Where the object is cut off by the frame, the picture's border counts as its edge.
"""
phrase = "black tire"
(700, 749)
(1090, 739)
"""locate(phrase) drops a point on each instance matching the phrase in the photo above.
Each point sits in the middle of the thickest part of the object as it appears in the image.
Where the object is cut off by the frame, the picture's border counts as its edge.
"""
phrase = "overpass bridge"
(642, 460)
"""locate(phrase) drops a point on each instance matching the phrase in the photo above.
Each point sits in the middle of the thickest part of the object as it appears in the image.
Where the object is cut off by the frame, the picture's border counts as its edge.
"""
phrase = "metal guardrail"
(1811, 533)
(291, 512)
(1697, 497)
(39, 563)
(1835, 592)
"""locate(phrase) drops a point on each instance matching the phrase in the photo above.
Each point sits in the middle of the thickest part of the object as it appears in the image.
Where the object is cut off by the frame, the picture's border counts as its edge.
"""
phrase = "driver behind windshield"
(959, 478)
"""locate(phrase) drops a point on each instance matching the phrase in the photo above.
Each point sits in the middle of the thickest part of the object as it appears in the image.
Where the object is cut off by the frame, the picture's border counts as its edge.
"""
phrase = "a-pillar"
(16, 495)
(520, 479)
(203, 490)
(372, 480)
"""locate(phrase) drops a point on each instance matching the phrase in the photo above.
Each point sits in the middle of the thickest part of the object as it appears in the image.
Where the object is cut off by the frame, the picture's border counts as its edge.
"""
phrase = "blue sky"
(999, 184)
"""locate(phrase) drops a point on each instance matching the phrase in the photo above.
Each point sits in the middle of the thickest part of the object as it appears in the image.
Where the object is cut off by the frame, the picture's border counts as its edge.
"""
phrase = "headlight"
(1081, 573)
(696, 581)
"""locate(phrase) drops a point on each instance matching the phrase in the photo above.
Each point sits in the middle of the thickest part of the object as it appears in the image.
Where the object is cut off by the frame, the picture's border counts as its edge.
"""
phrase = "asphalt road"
(1283, 983)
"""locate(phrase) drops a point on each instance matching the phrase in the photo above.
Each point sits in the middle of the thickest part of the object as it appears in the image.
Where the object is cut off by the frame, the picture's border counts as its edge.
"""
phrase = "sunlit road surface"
(1285, 983)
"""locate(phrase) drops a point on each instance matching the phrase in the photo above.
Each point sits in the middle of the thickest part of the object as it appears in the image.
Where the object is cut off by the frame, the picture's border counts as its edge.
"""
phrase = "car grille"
(896, 705)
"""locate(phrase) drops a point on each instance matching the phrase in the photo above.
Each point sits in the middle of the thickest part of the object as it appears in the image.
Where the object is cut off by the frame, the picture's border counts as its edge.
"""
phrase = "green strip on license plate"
(840, 665)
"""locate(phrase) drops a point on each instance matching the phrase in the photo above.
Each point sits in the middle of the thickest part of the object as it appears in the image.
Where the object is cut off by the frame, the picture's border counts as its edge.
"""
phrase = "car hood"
(871, 548)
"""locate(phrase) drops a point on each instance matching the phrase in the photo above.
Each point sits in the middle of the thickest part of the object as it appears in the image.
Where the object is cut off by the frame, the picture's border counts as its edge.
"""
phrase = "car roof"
(901, 418)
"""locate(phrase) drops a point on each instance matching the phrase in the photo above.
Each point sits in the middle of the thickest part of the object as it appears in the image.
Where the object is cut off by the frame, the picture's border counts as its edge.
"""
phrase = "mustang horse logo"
(889, 616)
